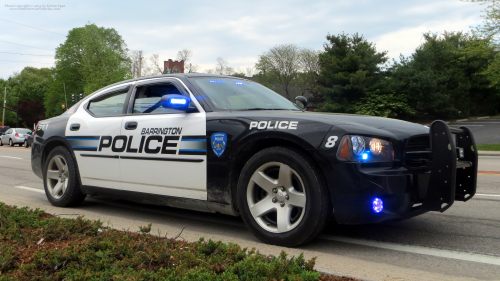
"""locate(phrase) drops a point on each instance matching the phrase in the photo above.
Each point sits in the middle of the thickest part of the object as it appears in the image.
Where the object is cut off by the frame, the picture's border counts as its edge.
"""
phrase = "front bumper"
(409, 192)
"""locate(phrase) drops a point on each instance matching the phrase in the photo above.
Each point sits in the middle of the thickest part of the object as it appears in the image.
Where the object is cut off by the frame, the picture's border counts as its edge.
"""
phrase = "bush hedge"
(35, 245)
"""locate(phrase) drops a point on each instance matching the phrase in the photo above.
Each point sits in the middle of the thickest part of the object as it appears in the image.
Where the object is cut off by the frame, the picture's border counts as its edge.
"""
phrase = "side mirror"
(301, 102)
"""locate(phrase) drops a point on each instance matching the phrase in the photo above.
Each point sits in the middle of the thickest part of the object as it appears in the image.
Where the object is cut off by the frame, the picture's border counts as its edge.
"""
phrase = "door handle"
(74, 127)
(131, 125)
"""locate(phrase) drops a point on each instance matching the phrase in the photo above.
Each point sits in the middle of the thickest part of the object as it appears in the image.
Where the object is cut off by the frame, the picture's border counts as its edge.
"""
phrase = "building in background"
(170, 66)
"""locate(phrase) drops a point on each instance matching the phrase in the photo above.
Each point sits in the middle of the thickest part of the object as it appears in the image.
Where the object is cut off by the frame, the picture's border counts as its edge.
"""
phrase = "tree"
(350, 67)
(490, 30)
(308, 76)
(149, 65)
(184, 55)
(91, 57)
(26, 93)
(446, 78)
(284, 61)
(222, 67)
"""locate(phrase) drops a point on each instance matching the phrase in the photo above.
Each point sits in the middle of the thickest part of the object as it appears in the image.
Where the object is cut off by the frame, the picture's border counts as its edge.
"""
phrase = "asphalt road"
(486, 131)
(461, 244)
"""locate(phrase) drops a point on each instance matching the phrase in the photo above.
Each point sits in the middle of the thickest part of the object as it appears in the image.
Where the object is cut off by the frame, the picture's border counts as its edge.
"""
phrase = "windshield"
(237, 94)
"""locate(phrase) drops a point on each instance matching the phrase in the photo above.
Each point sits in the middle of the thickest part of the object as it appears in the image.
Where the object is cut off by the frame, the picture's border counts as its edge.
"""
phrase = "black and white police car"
(232, 146)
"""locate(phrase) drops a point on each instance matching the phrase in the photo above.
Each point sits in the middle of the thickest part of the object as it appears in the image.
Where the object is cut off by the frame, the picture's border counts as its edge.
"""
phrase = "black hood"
(354, 124)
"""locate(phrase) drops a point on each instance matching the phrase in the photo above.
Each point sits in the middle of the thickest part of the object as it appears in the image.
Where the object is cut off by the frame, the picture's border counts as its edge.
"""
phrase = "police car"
(232, 146)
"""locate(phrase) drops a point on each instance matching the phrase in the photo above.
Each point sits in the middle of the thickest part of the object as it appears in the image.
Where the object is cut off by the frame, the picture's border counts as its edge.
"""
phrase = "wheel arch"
(54, 142)
(251, 148)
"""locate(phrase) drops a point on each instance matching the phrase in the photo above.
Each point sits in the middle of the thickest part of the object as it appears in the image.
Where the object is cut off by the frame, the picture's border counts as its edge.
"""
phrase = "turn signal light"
(344, 151)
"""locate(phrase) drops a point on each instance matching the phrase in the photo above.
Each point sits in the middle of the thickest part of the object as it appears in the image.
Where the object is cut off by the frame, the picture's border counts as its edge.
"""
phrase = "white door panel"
(166, 155)
(97, 168)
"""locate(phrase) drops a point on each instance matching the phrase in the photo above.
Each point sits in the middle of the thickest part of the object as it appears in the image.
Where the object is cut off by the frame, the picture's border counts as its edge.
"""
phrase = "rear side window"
(108, 105)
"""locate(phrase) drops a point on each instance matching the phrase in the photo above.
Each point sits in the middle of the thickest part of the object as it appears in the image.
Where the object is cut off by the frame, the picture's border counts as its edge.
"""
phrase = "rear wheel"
(62, 187)
(281, 197)
(11, 143)
(25, 144)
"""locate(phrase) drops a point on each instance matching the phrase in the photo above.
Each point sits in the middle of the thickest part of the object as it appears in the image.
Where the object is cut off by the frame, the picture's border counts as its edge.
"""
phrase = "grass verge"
(494, 147)
(35, 245)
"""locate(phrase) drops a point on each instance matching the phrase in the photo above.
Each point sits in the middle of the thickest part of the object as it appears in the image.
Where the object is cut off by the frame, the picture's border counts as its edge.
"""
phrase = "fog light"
(377, 205)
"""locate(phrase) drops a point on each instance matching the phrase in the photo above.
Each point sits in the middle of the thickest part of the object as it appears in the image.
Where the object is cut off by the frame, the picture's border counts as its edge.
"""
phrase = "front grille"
(417, 151)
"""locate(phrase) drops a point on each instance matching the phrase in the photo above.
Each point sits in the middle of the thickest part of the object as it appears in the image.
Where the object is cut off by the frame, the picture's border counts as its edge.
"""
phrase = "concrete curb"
(488, 153)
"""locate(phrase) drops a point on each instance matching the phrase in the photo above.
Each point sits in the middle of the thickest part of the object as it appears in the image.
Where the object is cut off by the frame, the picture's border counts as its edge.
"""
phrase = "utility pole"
(4, 104)
(140, 64)
(17, 114)
(66, 99)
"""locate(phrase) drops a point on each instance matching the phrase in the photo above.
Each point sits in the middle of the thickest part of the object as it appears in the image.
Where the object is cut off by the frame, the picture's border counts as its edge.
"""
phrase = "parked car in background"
(20, 136)
(3, 129)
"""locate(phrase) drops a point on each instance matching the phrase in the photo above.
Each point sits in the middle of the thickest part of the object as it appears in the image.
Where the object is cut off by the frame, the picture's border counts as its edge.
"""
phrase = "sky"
(238, 31)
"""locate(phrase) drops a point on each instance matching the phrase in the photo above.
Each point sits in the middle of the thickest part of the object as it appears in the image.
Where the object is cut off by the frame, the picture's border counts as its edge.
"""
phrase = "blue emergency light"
(377, 205)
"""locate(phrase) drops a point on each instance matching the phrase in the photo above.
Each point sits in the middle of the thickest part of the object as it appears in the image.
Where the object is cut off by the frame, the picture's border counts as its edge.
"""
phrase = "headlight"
(365, 149)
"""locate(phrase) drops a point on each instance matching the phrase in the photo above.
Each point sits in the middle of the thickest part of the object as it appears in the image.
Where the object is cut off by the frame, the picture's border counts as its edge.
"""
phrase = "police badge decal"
(218, 142)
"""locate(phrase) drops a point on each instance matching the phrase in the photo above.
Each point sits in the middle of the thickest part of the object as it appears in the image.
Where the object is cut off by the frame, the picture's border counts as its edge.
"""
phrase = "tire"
(1, 143)
(11, 143)
(60, 179)
(303, 187)
(25, 144)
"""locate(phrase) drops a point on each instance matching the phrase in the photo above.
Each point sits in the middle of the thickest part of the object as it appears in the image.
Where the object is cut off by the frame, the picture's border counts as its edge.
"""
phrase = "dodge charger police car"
(229, 145)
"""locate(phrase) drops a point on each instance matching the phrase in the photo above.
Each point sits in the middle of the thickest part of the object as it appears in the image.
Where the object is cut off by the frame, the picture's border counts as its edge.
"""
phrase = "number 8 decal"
(331, 141)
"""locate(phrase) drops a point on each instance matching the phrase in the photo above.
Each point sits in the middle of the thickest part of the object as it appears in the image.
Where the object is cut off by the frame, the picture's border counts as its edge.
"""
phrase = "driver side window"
(148, 97)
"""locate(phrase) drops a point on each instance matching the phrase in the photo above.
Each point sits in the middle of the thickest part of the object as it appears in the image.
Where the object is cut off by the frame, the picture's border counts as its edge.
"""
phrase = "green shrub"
(80, 249)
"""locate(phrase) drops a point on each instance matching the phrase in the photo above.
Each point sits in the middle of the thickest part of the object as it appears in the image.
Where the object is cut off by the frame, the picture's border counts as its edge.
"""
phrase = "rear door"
(166, 148)
(94, 135)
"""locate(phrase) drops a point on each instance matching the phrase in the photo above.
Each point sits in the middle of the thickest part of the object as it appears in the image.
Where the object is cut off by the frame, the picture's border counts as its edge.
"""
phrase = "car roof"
(176, 75)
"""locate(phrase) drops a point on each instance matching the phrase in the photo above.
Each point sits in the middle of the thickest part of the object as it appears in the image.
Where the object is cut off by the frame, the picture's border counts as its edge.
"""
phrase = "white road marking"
(12, 157)
(419, 250)
(465, 123)
(30, 188)
(492, 195)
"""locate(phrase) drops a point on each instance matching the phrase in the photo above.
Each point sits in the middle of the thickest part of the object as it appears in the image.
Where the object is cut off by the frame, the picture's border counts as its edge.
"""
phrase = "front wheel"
(61, 184)
(281, 197)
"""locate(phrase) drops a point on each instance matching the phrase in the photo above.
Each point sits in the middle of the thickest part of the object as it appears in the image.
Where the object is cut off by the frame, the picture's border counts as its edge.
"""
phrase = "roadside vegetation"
(493, 147)
(35, 245)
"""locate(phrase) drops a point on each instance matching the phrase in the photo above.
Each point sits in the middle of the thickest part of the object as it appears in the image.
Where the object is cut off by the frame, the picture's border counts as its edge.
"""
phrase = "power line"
(26, 46)
(27, 61)
(33, 27)
(26, 54)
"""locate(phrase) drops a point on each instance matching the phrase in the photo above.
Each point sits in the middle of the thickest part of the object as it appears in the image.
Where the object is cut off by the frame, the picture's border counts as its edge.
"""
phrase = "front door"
(166, 148)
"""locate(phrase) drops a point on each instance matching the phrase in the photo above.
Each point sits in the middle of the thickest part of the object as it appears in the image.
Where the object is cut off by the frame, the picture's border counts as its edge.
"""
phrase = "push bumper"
(407, 192)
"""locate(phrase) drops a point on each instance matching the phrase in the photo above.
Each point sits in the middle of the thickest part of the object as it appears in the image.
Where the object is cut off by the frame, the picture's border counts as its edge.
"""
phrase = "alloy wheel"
(57, 176)
(276, 197)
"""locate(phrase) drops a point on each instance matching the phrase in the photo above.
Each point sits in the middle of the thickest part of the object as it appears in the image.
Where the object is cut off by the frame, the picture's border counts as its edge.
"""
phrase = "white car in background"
(15, 136)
